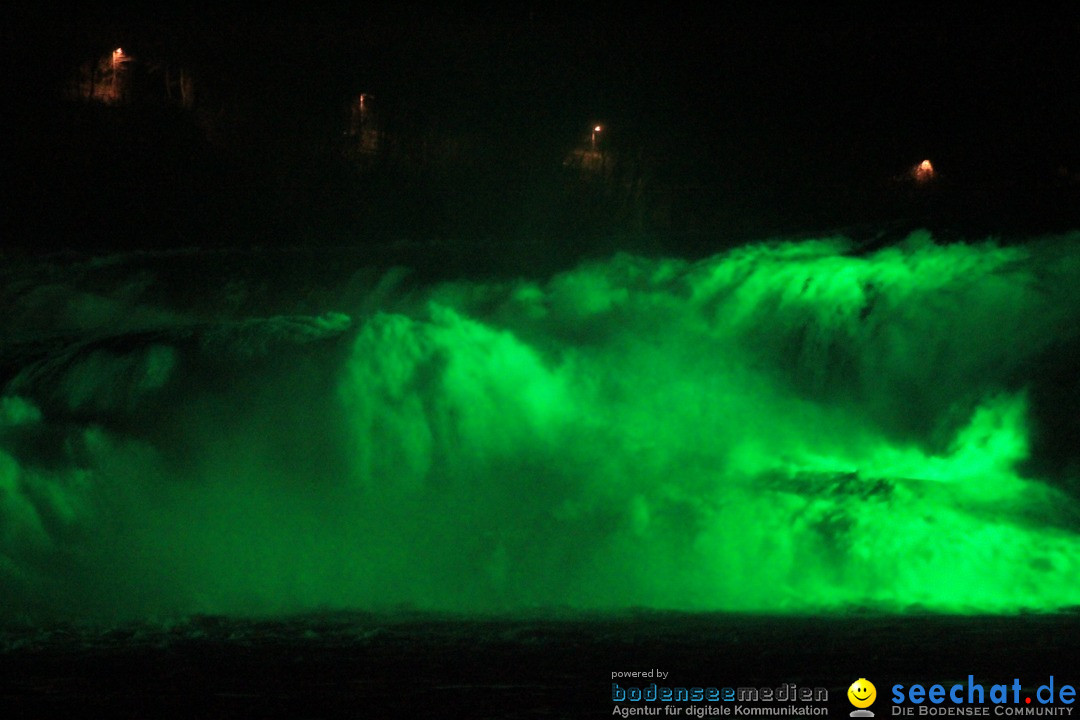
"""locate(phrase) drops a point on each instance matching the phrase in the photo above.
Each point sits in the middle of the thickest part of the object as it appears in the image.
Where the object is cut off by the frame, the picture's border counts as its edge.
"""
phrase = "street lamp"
(923, 172)
(117, 58)
(594, 131)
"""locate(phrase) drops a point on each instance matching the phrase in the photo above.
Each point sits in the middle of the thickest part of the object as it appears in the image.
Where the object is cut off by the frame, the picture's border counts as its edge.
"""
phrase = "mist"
(789, 426)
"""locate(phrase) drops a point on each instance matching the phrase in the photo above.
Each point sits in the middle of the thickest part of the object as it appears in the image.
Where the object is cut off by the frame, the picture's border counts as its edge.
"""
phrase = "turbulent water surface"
(788, 426)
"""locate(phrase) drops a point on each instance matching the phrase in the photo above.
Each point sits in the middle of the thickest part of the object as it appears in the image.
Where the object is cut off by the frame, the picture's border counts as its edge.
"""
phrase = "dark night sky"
(933, 74)
(766, 108)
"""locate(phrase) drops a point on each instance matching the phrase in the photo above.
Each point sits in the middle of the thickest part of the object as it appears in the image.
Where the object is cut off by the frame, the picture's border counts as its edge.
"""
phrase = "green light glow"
(786, 427)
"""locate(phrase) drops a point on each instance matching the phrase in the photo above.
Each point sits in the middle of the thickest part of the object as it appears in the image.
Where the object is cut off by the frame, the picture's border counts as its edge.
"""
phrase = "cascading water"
(790, 426)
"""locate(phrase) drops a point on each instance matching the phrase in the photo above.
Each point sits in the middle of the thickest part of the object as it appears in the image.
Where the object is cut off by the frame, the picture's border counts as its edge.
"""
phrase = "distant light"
(923, 172)
(597, 129)
(118, 51)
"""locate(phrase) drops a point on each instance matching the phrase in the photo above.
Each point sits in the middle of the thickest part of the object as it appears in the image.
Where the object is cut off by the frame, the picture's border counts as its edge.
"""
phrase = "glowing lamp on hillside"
(595, 130)
(923, 172)
(118, 61)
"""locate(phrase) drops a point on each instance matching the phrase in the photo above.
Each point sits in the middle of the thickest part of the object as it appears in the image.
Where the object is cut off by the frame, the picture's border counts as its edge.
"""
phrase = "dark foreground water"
(549, 666)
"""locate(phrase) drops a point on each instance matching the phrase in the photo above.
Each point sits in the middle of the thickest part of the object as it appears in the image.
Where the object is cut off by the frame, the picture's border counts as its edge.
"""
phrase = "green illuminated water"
(784, 427)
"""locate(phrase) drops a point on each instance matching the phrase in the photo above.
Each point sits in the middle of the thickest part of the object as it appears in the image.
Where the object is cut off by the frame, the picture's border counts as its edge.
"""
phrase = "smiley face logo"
(862, 693)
